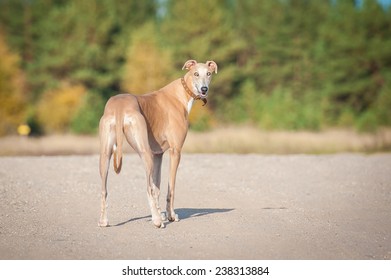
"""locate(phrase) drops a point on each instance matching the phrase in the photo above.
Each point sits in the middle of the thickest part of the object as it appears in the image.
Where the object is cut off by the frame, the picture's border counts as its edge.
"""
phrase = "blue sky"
(385, 3)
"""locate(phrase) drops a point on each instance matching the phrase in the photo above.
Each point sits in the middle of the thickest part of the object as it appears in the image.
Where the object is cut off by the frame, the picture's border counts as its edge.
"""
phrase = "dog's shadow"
(184, 213)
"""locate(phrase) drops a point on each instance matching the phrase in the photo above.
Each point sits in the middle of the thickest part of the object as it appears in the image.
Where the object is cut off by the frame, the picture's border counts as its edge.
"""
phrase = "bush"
(279, 110)
(86, 120)
(367, 122)
(13, 103)
(200, 117)
(56, 109)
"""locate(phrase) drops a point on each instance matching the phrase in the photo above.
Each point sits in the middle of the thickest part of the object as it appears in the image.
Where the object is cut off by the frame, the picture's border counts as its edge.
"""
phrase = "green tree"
(323, 63)
(24, 23)
(202, 30)
(148, 65)
(88, 46)
(88, 42)
(278, 58)
(74, 42)
(357, 62)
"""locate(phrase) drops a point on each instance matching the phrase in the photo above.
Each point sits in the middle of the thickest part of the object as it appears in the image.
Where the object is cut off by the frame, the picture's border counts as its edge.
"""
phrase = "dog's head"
(201, 75)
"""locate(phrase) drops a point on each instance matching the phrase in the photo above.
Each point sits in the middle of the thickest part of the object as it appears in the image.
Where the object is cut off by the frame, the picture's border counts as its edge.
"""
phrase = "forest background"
(283, 65)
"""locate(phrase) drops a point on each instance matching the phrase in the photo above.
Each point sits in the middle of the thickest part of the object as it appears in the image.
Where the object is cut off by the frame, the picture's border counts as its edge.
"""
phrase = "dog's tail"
(119, 124)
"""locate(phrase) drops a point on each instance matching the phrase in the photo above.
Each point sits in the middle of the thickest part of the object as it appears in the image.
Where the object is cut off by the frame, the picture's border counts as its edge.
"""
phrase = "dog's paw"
(173, 218)
(158, 223)
(103, 223)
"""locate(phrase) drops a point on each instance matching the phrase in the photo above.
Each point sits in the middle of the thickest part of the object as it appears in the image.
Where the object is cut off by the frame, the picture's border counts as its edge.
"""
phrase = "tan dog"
(152, 123)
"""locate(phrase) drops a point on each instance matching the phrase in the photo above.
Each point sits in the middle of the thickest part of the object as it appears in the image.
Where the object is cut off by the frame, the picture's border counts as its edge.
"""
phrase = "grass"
(241, 139)
(251, 140)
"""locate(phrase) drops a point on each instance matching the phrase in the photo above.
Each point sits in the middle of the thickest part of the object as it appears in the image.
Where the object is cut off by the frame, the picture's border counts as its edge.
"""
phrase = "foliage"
(87, 117)
(91, 48)
(200, 30)
(293, 64)
(148, 66)
(57, 107)
(12, 100)
(200, 117)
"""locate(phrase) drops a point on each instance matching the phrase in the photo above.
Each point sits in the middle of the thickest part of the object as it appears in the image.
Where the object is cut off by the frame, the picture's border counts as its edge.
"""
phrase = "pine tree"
(148, 65)
(202, 30)
(88, 42)
(357, 62)
(273, 56)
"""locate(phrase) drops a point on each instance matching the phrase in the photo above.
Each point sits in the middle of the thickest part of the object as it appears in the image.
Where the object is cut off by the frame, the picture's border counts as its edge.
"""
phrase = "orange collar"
(189, 92)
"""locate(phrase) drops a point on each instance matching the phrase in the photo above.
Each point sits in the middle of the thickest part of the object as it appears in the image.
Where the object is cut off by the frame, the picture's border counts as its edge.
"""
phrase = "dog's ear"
(188, 64)
(212, 65)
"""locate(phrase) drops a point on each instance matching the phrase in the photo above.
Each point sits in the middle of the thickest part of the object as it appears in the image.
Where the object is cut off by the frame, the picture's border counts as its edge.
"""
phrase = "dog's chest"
(190, 105)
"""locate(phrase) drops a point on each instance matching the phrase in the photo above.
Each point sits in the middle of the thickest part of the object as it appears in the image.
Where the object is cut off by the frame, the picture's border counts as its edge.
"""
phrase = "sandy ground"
(231, 207)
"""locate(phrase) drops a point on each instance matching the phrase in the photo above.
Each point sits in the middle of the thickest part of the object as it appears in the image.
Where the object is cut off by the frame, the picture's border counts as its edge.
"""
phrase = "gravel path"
(230, 206)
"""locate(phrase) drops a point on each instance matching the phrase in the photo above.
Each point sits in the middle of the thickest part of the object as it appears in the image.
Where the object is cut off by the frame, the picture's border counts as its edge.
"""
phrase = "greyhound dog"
(152, 123)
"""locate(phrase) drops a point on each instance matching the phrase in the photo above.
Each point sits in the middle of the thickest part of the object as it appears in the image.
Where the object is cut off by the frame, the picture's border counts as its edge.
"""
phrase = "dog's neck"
(192, 95)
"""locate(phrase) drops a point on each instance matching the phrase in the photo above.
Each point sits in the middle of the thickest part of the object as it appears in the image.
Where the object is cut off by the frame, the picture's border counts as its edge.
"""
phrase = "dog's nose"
(204, 89)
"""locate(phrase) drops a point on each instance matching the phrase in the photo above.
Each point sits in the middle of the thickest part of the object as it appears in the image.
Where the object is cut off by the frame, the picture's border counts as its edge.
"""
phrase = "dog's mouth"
(203, 92)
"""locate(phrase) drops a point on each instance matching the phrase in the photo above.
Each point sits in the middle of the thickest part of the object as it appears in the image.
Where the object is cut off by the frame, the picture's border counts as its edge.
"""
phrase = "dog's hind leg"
(136, 134)
(152, 190)
(157, 166)
(107, 139)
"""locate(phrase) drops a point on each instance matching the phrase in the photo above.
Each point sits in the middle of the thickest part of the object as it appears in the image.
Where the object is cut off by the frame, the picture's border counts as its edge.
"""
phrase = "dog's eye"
(196, 74)
(208, 74)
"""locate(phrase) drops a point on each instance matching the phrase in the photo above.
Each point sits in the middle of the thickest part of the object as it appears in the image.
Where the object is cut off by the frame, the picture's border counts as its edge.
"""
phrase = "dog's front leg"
(175, 157)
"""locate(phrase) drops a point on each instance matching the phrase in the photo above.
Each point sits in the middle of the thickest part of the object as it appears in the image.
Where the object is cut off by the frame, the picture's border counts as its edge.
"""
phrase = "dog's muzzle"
(202, 96)
(204, 91)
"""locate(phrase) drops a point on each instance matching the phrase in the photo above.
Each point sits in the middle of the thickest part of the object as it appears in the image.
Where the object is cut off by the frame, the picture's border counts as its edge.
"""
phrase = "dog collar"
(189, 92)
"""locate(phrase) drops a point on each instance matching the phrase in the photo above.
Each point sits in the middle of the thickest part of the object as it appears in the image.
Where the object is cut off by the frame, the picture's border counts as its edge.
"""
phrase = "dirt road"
(231, 207)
